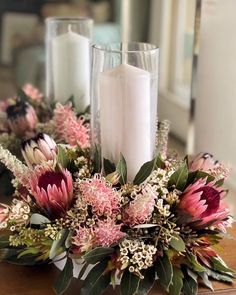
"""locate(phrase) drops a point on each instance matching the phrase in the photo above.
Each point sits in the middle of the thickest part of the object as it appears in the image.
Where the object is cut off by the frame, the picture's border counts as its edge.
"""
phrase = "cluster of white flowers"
(136, 255)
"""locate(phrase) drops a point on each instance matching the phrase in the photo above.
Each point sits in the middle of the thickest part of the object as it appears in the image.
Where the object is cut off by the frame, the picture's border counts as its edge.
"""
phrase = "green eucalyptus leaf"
(97, 254)
(219, 276)
(129, 283)
(179, 178)
(206, 280)
(121, 168)
(177, 243)
(190, 287)
(97, 280)
(39, 219)
(58, 246)
(177, 282)
(108, 166)
(192, 274)
(219, 265)
(195, 264)
(62, 157)
(195, 175)
(64, 279)
(164, 271)
(147, 169)
(147, 283)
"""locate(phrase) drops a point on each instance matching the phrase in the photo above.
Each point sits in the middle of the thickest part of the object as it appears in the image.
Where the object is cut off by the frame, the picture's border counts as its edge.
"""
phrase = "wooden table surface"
(18, 280)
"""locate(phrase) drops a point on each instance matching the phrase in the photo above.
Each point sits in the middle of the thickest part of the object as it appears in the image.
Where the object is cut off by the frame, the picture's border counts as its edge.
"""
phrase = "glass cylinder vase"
(124, 103)
(68, 60)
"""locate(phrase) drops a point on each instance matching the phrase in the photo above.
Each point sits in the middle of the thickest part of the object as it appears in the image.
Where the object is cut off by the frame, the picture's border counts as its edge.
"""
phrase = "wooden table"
(18, 280)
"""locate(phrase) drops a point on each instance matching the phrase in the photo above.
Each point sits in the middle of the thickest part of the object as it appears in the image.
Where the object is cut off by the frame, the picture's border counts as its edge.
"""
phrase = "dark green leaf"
(219, 265)
(83, 269)
(177, 243)
(190, 287)
(179, 178)
(64, 279)
(195, 264)
(62, 157)
(108, 166)
(96, 281)
(97, 254)
(195, 175)
(219, 276)
(206, 280)
(129, 283)
(147, 283)
(164, 271)
(22, 95)
(59, 245)
(71, 99)
(220, 182)
(192, 274)
(4, 242)
(147, 169)
(121, 168)
(177, 282)
(6, 187)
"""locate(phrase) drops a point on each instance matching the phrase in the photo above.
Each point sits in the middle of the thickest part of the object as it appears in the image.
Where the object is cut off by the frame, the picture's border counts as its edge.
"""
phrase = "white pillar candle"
(71, 68)
(125, 116)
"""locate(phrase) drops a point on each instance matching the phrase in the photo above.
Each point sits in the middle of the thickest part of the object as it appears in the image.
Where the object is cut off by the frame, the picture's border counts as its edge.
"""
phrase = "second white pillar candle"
(125, 116)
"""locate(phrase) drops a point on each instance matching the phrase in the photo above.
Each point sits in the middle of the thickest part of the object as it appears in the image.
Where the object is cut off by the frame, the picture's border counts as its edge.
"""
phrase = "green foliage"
(190, 286)
(177, 243)
(97, 280)
(146, 284)
(108, 166)
(64, 279)
(220, 266)
(177, 282)
(147, 169)
(195, 264)
(58, 246)
(196, 175)
(129, 283)
(121, 169)
(97, 254)
(179, 178)
(164, 271)
(62, 156)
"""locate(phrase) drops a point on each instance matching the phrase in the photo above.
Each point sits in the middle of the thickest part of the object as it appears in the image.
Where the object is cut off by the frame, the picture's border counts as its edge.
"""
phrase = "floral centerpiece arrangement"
(163, 225)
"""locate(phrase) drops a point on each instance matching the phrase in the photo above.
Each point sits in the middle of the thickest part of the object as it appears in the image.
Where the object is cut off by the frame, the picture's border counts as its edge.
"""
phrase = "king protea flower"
(52, 190)
(39, 149)
(21, 118)
(201, 204)
(203, 162)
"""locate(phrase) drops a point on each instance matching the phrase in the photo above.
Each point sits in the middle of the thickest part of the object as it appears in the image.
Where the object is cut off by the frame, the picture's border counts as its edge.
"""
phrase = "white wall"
(216, 99)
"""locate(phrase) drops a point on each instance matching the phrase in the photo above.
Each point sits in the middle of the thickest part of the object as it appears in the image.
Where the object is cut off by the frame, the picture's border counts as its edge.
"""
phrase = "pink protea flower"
(69, 127)
(203, 162)
(201, 204)
(52, 190)
(21, 118)
(141, 208)
(32, 92)
(83, 240)
(108, 232)
(39, 149)
(98, 193)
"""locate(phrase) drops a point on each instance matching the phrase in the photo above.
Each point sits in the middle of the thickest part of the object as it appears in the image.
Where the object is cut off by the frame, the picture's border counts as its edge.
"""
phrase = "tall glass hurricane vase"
(124, 103)
(68, 51)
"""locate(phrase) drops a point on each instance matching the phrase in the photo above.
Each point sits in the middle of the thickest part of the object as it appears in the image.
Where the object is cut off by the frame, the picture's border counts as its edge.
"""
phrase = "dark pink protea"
(203, 162)
(201, 204)
(52, 190)
(32, 92)
(21, 118)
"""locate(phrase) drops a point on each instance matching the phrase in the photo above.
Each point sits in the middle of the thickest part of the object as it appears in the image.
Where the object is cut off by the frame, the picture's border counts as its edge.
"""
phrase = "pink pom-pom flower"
(98, 193)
